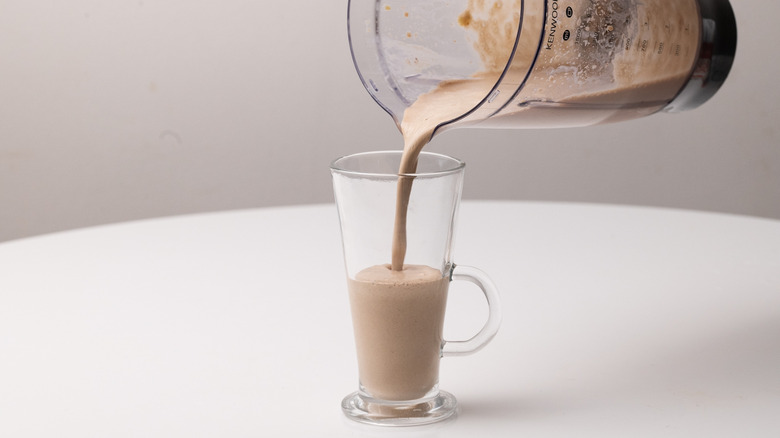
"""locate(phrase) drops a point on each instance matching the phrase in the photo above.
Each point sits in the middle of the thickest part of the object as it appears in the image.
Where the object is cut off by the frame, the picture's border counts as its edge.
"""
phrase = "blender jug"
(542, 63)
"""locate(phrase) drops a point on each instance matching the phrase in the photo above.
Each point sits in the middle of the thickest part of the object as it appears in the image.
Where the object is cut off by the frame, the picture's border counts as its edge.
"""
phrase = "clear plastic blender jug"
(543, 63)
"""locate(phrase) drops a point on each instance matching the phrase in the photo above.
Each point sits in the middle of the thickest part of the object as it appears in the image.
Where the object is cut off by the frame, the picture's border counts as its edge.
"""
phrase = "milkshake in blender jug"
(542, 63)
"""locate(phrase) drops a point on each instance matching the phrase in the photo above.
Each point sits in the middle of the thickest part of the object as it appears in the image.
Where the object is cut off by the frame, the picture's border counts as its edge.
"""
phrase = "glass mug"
(398, 316)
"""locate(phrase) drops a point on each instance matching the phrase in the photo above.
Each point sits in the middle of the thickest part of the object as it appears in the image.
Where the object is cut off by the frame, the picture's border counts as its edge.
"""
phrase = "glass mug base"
(364, 409)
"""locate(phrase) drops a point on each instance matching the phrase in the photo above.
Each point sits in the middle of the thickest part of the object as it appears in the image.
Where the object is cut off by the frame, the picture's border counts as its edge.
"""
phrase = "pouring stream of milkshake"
(450, 100)
(447, 102)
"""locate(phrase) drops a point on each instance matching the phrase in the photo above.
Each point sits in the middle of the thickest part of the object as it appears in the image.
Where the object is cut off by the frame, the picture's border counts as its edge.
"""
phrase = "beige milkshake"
(398, 318)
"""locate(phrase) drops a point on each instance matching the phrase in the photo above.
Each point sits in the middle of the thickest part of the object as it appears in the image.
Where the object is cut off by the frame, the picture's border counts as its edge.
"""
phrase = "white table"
(617, 322)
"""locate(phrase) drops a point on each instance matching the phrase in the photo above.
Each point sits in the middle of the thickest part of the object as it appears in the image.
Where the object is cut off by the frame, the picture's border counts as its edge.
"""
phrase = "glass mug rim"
(342, 166)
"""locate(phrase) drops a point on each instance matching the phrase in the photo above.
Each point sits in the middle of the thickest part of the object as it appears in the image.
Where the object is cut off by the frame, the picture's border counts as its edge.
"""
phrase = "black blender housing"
(716, 56)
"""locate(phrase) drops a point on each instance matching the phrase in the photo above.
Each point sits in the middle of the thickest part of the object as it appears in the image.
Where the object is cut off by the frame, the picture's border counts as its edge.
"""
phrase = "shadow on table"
(727, 363)
(516, 408)
(728, 360)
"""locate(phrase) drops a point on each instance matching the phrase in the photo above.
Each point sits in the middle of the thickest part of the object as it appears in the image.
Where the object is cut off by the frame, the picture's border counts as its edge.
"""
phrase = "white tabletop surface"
(617, 322)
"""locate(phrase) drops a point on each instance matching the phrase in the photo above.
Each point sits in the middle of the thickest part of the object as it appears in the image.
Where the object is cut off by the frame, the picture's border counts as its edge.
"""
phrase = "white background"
(119, 110)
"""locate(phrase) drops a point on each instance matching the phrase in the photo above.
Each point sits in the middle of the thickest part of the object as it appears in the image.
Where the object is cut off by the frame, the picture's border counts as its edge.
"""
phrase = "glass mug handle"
(479, 278)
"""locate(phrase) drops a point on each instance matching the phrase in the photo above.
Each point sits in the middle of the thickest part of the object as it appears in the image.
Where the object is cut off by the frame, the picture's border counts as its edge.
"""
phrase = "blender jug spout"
(403, 50)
